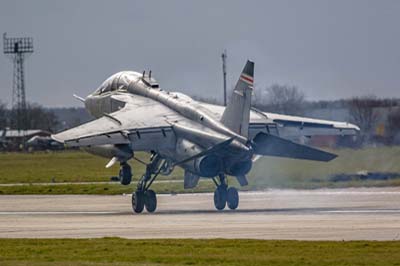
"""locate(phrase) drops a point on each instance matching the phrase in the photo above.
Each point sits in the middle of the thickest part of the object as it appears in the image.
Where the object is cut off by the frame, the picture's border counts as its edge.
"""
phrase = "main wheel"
(232, 198)
(150, 200)
(125, 174)
(138, 201)
(220, 198)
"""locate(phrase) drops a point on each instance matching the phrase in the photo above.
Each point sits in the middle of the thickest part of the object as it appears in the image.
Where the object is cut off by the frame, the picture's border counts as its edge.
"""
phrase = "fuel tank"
(122, 152)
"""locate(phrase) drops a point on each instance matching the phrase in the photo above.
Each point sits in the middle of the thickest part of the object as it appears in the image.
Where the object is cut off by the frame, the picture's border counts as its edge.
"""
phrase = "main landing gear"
(144, 197)
(225, 196)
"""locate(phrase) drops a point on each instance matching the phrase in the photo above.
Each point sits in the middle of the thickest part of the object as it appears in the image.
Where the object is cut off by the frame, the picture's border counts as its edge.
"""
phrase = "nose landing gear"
(144, 197)
(225, 196)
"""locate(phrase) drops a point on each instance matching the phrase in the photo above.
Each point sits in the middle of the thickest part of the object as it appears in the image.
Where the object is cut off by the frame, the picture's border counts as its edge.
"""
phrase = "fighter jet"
(208, 141)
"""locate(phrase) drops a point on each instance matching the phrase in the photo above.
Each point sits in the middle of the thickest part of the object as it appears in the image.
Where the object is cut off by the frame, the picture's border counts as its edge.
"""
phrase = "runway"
(325, 214)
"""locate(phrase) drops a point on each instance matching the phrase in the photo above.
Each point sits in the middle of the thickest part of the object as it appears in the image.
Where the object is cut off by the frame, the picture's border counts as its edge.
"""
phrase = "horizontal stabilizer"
(270, 145)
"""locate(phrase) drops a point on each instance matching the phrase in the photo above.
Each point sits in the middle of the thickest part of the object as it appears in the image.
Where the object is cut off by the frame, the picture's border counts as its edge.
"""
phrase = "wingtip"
(56, 138)
(331, 157)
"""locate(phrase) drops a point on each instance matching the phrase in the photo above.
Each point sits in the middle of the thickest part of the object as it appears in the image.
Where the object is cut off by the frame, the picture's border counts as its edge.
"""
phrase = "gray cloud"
(329, 49)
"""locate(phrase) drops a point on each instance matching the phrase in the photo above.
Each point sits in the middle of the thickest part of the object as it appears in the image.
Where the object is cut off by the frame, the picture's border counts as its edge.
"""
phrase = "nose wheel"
(225, 196)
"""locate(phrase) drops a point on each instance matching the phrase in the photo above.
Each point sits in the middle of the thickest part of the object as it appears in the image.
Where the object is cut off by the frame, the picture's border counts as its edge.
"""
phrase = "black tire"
(138, 201)
(232, 198)
(150, 200)
(220, 198)
(125, 175)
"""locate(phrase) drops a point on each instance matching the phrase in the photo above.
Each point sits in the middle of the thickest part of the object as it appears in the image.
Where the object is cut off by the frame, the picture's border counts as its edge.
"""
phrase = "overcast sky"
(329, 49)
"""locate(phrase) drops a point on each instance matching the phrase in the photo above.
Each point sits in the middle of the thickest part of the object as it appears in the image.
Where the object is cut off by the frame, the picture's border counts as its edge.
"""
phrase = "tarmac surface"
(324, 214)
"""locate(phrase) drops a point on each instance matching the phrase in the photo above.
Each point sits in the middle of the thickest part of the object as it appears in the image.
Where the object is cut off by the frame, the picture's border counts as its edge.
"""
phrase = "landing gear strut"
(225, 196)
(143, 196)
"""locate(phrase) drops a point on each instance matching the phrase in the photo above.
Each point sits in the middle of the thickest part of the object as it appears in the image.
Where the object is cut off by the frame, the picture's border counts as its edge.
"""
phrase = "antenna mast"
(17, 49)
(224, 56)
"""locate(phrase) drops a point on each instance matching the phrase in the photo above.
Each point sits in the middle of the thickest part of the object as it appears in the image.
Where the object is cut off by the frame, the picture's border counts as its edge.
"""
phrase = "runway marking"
(55, 212)
(363, 211)
(295, 212)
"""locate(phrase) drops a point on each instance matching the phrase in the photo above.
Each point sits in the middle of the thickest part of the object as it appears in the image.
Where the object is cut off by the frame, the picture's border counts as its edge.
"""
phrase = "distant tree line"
(367, 111)
(38, 117)
(3, 115)
(282, 99)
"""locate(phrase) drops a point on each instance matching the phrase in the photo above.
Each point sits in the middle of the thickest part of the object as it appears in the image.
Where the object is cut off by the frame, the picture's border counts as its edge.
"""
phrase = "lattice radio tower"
(17, 49)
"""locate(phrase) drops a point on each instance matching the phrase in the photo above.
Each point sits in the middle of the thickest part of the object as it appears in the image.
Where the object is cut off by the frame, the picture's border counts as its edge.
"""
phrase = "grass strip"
(101, 189)
(117, 251)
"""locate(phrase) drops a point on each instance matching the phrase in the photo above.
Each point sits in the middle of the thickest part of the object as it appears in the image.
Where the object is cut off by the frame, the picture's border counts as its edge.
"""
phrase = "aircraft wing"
(295, 126)
(142, 121)
(288, 126)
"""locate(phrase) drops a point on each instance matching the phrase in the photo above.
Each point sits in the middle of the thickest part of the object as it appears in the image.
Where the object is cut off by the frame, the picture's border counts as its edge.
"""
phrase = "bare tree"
(3, 115)
(362, 112)
(40, 118)
(284, 99)
(393, 126)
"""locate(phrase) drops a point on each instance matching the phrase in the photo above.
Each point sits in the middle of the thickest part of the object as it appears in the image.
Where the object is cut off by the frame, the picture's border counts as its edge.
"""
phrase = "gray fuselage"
(200, 130)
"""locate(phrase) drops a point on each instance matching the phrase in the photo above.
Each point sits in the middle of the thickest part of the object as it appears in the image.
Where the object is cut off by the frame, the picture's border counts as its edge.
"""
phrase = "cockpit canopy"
(121, 80)
(117, 81)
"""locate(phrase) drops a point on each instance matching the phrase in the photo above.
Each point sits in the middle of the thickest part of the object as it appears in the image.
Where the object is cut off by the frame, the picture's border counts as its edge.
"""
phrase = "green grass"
(279, 172)
(105, 189)
(64, 166)
(268, 172)
(116, 251)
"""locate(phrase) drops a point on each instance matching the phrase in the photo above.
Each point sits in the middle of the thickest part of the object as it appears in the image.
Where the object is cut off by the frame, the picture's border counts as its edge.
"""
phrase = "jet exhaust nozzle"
(208, 166)
(240, 168)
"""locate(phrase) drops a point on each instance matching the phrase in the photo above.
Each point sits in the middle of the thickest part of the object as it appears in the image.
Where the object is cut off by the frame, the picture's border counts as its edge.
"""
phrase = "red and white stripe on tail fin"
(237, 113)
(247, 79)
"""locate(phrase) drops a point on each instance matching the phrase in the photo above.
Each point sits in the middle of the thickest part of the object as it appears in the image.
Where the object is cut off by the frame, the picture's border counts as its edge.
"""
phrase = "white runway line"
(363, 211)
(55, 212)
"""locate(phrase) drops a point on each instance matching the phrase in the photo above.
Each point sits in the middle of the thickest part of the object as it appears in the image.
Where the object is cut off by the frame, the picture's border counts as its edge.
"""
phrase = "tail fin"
(237, 113)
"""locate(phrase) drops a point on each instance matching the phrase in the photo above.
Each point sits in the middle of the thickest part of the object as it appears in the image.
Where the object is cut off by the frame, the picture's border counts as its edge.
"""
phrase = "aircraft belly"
(153, 139)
